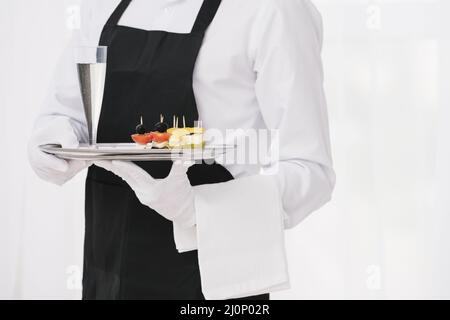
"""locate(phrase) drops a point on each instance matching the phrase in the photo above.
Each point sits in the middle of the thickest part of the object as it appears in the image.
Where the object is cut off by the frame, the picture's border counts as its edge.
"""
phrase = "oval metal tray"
(132, 152)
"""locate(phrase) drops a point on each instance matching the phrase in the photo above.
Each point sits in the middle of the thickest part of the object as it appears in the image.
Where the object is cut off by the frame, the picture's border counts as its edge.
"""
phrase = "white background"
(385, 233)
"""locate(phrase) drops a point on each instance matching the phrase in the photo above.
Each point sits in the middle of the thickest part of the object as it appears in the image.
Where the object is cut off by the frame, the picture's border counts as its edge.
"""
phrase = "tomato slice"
(159, 137)
(142, 139)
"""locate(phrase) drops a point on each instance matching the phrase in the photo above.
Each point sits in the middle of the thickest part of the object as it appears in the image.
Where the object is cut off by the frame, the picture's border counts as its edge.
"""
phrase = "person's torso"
(129, 247)
(224, 78)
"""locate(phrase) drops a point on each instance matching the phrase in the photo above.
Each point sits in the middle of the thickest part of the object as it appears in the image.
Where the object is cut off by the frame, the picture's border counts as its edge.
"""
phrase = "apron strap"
(112, 22)
(118, 12)
(206, 15)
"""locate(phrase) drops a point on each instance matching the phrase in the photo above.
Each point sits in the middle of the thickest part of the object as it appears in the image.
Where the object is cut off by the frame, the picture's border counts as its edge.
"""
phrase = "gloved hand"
(172, 197)
(50, 167)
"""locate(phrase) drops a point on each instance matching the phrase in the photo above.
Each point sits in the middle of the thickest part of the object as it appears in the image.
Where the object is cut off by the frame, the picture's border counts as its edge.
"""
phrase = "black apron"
(129, 248)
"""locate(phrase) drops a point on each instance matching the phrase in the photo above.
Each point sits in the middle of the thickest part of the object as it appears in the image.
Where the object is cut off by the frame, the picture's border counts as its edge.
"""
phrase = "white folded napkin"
(240, 238)
(185, 239)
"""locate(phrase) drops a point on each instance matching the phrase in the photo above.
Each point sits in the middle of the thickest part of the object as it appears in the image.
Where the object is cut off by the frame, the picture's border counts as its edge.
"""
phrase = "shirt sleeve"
(235, 259)
(285, 49)
(286, 46)
(63, 99)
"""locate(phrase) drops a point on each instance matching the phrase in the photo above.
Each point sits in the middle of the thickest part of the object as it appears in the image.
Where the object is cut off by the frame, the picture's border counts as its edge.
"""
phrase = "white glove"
(172, 197)
(50, 167)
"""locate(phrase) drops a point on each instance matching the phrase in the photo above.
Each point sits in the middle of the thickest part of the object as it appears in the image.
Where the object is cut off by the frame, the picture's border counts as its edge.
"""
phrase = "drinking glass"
(91, 66)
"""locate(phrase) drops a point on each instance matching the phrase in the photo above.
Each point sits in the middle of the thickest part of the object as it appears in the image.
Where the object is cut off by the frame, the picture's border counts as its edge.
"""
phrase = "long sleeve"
(286, 46)
(240, 236)
(63, 99)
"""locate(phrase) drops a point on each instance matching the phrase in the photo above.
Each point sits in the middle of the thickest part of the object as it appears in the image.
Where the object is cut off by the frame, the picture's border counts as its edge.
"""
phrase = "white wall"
(385, 233)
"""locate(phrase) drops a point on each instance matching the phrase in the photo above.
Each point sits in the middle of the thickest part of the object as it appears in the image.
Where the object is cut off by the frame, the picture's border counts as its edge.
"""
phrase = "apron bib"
(129, 248)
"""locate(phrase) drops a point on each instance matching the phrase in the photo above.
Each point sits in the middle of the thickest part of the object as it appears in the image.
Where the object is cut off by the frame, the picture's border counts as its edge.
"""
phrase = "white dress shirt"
(259, 68)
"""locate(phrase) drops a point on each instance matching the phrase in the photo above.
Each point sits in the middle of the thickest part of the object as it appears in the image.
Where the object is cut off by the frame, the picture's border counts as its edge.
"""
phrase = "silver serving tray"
(133, 152)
